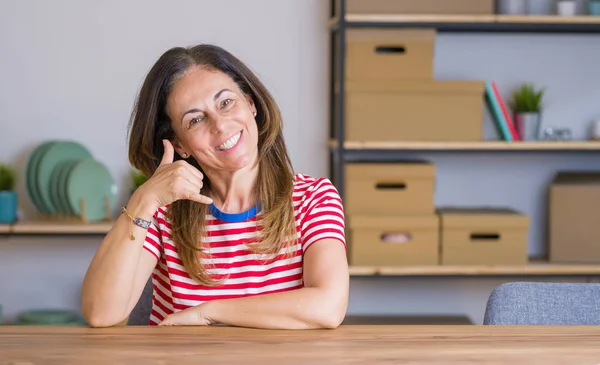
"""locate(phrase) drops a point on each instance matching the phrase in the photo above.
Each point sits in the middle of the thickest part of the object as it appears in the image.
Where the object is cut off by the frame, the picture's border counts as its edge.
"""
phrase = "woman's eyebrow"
(219, 93)
(195, 110)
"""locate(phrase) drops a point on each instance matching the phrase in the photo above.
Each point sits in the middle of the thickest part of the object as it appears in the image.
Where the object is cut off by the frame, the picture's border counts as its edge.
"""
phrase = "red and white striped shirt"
(318, 212)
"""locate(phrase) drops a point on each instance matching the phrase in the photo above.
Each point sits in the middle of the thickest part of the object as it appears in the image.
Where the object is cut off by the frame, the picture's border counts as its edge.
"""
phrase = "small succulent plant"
(7, 177)
(527, 99)
(138, 178)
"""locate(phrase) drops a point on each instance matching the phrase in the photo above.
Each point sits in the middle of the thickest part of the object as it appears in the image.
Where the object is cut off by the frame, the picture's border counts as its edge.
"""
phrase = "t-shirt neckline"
(234, 217)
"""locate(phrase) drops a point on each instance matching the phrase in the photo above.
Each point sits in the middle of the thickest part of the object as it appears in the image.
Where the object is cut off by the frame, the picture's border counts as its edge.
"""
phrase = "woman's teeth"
(230, 142)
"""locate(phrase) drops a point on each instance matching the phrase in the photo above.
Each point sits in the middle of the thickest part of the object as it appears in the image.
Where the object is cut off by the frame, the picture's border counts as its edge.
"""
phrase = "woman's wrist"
(141, 206)
(207, 311)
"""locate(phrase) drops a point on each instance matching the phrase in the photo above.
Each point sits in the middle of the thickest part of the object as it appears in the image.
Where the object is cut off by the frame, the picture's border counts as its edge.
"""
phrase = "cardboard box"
(574, 218)
(389, 54)
(390, 188)
(403, 7)
(391, 110)
(483, 236)
(393, 240)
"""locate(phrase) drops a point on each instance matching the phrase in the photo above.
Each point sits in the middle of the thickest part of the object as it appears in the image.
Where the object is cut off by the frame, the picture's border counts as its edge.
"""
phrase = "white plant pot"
(566, 7)
(512, 6)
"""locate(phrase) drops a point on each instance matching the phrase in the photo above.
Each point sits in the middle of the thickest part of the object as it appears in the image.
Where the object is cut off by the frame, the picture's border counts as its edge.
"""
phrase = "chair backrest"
(529, 303)
(140, 314)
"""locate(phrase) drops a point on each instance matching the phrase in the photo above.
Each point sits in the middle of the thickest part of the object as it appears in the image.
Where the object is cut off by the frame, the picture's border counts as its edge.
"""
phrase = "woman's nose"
(218, 123)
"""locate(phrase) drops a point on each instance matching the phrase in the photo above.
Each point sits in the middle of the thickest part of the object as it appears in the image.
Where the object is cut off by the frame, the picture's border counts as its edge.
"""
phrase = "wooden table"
(362, 345)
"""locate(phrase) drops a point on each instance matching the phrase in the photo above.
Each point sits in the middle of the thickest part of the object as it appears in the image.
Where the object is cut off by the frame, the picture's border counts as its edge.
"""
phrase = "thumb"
(168, 153)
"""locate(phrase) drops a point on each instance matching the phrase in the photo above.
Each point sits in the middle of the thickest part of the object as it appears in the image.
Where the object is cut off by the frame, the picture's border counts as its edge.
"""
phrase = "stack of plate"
(50, 317)
(63, 179)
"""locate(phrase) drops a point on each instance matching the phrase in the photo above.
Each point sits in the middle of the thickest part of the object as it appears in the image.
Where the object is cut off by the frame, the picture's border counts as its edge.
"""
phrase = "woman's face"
(213, 120)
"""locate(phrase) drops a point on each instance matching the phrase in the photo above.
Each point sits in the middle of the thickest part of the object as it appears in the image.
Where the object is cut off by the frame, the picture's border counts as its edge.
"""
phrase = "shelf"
(473, 146)
(478, 23)
(417, 18)
(532, 269)
(548, 19)
(49, 227)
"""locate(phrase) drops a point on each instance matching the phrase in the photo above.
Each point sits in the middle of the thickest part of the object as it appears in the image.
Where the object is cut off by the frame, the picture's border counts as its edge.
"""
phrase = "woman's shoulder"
(310, 187)
(304, 181)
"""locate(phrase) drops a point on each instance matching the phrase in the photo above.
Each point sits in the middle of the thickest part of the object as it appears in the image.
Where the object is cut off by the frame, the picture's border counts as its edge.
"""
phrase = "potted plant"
(8, 196)
(527, 108)
(137, 179)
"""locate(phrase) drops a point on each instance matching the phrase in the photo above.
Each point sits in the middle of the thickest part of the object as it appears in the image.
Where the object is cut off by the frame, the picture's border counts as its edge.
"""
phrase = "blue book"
(496, 111)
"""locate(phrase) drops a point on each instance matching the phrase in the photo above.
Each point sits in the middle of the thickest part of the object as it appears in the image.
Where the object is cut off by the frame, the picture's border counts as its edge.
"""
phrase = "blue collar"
(234, 217)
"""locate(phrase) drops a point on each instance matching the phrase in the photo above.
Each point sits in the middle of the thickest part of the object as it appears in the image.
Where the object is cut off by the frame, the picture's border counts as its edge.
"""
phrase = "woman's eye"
(225, 103)
(195, 120)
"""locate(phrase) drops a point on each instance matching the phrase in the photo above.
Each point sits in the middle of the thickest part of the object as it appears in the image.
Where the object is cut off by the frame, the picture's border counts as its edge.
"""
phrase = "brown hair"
(150, 124)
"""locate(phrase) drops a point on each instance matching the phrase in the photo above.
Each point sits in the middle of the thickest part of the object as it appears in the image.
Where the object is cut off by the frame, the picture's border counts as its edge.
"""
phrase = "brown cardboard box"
(390, 54)
(391, 110)
(574, 218)
(393, 240)
(390, 188)
(453, 7)
(483, 236)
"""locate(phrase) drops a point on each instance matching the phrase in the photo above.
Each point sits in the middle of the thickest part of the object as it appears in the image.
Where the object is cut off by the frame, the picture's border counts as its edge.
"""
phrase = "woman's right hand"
(172, 181)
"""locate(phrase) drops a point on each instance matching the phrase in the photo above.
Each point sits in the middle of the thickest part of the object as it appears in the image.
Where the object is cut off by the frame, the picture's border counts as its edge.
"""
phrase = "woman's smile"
(230, 143)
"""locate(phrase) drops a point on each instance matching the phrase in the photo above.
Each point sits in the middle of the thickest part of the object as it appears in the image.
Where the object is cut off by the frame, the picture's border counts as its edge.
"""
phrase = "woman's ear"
(179, 149)
(251, 104)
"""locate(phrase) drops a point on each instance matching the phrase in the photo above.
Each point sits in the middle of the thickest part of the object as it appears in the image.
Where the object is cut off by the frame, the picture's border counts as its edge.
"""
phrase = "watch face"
(142, 223)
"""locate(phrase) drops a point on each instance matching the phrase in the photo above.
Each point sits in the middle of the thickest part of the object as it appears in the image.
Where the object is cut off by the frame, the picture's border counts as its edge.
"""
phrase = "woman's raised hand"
(174, 181)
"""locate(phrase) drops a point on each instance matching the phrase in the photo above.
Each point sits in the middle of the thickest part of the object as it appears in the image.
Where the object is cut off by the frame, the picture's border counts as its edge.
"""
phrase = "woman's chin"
(237, 161)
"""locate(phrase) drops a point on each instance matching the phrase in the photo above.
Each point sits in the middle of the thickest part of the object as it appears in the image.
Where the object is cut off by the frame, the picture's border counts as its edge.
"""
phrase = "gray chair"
(140, 314)
(529, 303)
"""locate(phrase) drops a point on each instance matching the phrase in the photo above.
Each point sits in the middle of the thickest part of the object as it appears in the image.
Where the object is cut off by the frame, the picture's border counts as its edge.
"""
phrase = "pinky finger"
(200, 198)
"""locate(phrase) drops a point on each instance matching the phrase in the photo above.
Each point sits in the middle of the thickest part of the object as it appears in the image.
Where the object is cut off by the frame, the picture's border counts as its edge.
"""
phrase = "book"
(505, 112)
(496, 112)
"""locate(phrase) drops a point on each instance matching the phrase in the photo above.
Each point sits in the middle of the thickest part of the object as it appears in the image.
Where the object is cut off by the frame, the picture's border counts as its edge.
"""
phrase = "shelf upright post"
(337, 87)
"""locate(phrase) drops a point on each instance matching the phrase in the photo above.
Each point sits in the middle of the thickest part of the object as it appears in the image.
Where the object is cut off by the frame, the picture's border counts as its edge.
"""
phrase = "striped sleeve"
(324, 217)
(153, 242)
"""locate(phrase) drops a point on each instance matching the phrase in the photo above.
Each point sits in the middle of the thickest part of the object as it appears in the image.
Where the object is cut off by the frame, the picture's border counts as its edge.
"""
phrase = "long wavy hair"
(150, 124)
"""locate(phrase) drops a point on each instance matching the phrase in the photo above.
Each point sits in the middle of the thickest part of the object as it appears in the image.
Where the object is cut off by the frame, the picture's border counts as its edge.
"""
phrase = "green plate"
(90, 180)
(56, 186)
(48, 317)
(31, 175)
(58, 152)
(62, 186)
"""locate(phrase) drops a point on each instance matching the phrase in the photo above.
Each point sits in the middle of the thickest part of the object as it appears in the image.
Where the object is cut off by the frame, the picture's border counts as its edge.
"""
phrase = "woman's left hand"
(193, 316)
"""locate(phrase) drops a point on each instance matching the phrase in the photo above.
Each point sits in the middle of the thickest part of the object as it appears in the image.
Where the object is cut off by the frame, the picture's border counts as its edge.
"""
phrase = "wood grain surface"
(345, 345)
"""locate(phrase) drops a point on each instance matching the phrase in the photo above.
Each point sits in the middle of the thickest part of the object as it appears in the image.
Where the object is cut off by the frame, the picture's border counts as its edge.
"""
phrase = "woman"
(227, 231)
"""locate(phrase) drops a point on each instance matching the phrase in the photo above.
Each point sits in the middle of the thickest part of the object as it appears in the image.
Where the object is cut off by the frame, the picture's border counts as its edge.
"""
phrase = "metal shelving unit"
(342, 151)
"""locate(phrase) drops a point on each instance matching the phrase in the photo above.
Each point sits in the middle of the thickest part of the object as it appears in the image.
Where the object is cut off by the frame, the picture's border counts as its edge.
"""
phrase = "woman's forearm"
(109, 281)
(305, 308)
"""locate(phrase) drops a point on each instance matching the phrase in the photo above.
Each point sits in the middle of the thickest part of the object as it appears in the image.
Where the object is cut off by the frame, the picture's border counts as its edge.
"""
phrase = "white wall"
(71, 69)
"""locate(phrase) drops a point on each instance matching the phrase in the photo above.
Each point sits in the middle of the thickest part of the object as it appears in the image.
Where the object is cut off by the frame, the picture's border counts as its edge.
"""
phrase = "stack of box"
(391, 93)
(391, 219)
